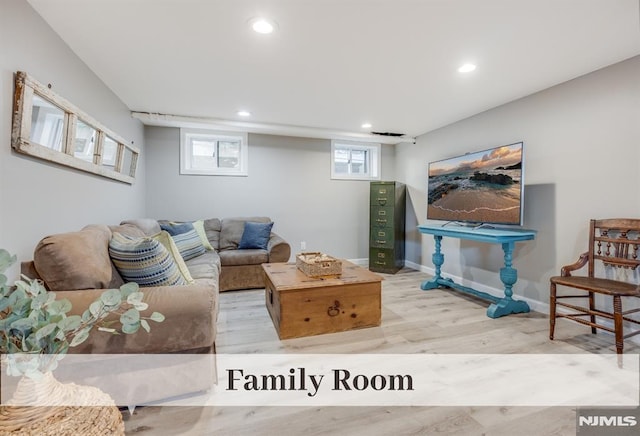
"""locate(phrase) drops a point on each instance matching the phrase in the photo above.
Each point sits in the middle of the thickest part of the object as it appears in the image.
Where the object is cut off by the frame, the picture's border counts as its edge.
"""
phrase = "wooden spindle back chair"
(615, 244)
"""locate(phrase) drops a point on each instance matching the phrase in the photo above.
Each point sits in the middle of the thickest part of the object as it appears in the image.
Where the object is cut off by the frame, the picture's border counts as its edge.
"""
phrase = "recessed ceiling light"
(467, 68)
(263, 25)
(366, 126)
(244, 113)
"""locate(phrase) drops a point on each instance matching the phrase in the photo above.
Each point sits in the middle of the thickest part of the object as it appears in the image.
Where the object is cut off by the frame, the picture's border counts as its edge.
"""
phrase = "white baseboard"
(534, 305)
(364, 262)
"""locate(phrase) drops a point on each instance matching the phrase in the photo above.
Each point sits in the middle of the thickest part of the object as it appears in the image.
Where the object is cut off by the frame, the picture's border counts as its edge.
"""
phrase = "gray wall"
(582, 155)
(289, 181)
(38, 198)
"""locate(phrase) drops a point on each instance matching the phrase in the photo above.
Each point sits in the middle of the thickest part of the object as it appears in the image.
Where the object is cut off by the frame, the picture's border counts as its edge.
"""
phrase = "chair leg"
(592, 306)
(617, 321)
(552, 310)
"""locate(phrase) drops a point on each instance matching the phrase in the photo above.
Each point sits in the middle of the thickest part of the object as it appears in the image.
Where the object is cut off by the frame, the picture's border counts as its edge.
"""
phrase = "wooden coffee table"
(305, 306)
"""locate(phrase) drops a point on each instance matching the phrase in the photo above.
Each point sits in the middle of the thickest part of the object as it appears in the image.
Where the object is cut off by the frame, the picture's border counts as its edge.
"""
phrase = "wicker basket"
(94, 413)
(316, 264)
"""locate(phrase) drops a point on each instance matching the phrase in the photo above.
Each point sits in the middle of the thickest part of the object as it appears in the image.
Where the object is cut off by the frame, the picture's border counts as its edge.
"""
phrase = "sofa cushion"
(206, 266)
(212, 228)
(128, 230)
(199, 226)
(148, 225)
(243, 257)
(232, 229)
(165, 239)
(77, 260)
(144, 261)
(255, 235)
(175, 228)
(189, 244)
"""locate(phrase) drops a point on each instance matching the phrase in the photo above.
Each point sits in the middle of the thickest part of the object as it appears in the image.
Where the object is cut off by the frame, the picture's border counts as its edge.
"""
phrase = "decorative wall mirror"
(48, 127)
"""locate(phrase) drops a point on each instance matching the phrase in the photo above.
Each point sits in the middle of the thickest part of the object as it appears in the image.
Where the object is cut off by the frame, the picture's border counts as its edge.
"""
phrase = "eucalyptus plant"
(34, 323)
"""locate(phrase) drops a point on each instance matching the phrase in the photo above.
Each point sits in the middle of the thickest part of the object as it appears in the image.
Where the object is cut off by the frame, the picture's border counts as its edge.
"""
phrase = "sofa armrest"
(190, 320)
(279, 249)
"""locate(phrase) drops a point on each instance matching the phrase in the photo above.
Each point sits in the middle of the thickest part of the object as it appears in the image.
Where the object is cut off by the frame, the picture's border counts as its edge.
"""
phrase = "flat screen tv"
(478, 188)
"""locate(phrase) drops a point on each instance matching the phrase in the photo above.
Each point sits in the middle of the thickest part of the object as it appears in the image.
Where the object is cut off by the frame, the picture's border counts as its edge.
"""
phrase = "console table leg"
(509, 276)
(438, 259)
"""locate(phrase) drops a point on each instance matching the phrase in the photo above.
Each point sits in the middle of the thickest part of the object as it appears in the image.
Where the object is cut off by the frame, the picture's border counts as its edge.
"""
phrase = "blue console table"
(509, 275)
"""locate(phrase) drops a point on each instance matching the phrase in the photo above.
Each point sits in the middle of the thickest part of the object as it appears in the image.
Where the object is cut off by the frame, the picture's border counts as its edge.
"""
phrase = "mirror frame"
(25, 88)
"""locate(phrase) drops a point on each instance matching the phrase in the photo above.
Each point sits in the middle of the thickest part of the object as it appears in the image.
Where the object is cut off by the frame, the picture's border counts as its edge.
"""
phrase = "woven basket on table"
(92, 411)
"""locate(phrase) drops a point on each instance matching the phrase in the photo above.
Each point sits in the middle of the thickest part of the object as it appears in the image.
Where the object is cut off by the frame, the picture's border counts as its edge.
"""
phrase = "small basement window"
(355, 161)
(209, 152)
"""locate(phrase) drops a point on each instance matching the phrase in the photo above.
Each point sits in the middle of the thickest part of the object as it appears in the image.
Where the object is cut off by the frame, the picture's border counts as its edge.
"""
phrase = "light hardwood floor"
(413, 321)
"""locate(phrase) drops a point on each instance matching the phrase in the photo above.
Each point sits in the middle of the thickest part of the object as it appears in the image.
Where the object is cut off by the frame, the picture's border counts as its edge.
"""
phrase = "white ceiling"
(334, 64)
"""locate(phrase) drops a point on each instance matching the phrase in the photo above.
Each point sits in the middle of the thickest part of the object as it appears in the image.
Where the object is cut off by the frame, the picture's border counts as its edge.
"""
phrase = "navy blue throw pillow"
(177, 228)
(255, 235)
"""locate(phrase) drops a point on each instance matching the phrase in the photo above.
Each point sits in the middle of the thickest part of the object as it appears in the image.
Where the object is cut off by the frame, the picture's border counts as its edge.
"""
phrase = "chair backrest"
(615, 242)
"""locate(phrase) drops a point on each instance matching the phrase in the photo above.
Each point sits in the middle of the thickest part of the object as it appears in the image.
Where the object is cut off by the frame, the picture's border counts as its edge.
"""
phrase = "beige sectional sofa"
(77, 266)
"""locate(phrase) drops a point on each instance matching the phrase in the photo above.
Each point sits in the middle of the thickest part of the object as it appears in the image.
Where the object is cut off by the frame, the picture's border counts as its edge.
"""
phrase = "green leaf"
(17, 295)
(5, 324)
(59, 306)
(39, 285)
(22, 306)
(111, 297)
(140, 306)
(135, 298)
(6, 260)
(4, 290)
(35, 315)
(157, 317)
(31, 343)
(45, 331)
(130, 328)
(39, 301)
(56, 318)
(12, 348)
(80, 337)
(23, 286)
(128, 289)
(131, 316)
(23, 324)
(70, 323)
(96, 307)
(145, 325)
(86, 315)
(64, 347)
(4, 303)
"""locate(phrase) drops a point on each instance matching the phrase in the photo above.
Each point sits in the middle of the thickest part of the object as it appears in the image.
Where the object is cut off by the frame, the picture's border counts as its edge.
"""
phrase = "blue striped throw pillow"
(144, 261)
(189, 244)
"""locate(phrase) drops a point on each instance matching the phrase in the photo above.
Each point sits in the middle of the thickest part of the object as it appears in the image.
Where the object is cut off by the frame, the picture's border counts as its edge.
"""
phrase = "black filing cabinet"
(386, 226)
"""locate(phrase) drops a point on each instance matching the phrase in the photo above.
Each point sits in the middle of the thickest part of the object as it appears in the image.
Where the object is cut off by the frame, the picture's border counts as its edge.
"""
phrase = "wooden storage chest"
(304, 306)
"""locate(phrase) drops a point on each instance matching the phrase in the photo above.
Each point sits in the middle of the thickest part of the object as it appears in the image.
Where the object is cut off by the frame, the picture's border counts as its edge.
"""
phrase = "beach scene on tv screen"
(482, 187)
